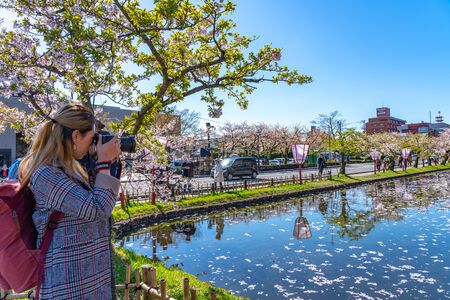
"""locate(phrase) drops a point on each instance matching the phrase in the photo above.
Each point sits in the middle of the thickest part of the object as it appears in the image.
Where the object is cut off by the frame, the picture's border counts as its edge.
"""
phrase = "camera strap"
(119, 169)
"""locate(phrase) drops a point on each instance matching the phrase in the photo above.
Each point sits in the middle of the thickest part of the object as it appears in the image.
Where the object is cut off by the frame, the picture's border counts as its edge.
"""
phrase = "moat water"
(387, 240)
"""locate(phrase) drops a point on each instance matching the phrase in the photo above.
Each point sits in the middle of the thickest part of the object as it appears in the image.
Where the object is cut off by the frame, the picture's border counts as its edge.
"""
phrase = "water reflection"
(301, 225)
(381, 240)
(344, 209)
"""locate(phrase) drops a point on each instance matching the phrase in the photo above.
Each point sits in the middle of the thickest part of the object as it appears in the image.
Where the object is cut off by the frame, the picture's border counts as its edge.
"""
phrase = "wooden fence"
(147, 289)
(187, 190)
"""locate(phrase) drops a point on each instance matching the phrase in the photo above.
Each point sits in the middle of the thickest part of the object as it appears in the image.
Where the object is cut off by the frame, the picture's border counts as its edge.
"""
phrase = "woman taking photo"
(78, 263)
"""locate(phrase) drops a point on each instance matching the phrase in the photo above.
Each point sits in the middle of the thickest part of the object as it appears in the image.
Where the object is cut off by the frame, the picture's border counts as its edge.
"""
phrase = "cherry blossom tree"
(316, 139)
(134, 56)
(421, 145)
(331, 123)
(348, 142)
(271, 141)
(442, 145)
(146, 58)
(388, 144)
(230, 139)
(252, 139)
(286, 139)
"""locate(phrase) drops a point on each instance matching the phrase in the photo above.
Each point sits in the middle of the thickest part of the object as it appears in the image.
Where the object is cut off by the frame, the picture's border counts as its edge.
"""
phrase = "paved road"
(142, 186)
(350, 169)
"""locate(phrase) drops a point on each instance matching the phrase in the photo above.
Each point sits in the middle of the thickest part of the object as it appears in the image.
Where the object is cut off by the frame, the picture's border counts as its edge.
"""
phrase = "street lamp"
(208, 132)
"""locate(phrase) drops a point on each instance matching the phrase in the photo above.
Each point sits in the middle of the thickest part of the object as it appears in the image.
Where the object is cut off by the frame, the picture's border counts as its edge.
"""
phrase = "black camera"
(127, 143)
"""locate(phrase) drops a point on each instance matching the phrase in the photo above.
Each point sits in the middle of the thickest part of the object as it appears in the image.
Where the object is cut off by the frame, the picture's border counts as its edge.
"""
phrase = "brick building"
(424, 128)
(414, 128)
(383, 122)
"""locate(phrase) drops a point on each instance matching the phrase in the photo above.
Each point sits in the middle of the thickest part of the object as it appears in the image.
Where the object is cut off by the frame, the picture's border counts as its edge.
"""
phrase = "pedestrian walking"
(385, 163)
(218, 175)
(4, 171)
(405, 164)
(188, 174)
(79, 262)
(320, 166)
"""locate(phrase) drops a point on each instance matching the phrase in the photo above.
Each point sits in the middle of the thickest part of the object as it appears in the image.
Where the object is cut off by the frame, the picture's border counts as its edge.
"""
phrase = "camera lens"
(127, 143)
(106, 138)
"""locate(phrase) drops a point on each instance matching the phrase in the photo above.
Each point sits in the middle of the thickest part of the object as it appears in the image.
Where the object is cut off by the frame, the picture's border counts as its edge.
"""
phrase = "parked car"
(291, 161)
(238, 167)
(176, 166)
(280, 159)
(274, 162)
(263, 161)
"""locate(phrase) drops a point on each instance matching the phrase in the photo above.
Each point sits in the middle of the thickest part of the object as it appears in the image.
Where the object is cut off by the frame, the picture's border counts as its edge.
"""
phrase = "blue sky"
(361, 54)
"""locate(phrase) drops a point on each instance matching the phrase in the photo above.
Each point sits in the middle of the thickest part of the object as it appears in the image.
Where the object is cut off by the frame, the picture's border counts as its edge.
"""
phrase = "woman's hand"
(109, 151)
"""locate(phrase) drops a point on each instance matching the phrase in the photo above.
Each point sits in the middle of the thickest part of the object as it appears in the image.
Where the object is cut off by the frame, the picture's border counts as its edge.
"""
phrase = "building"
(383, 122)
(12, 147)
(7, 147)
(438, 127)
(415, 128)
(425, 127)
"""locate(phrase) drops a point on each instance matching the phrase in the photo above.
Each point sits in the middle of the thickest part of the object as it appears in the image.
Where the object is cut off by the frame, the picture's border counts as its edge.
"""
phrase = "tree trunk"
(444, 159)
(392, 163)
(343, 163)
(416, 162)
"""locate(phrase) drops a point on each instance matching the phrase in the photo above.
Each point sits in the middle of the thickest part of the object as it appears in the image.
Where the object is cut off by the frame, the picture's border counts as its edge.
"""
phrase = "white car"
(274, 162)
(280, 159)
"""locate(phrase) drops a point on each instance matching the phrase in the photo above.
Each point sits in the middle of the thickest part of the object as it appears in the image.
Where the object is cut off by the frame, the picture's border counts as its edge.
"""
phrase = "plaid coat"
(78, 264)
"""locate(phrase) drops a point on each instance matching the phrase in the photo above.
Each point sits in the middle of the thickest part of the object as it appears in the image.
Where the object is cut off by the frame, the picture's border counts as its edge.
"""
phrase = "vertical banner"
(375, 157)
(405, 153)
(405, 156)
(300, 154)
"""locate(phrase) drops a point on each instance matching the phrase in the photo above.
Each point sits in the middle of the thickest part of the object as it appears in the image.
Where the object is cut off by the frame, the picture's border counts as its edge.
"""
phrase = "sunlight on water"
(381, 241)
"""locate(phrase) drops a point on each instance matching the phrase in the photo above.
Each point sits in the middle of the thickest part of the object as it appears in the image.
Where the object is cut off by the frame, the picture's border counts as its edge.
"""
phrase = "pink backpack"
(21, 264)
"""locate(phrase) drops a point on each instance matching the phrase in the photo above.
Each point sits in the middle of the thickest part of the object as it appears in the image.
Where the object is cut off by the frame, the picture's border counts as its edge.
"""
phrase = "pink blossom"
(275, 55)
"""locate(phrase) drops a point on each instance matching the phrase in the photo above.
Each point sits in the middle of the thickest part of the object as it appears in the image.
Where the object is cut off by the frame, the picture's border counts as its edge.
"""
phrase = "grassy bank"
(144, 208)
(174, 277)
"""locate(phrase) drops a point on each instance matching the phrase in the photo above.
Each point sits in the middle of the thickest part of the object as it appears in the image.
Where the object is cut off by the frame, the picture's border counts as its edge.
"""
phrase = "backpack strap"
(52, 224)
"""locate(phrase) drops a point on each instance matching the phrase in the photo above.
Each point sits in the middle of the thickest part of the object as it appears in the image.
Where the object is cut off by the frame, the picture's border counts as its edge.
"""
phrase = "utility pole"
(257, 148)
(208, 133)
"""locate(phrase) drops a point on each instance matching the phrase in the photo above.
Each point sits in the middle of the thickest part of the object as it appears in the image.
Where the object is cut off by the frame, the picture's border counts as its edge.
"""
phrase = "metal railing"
(183, 190)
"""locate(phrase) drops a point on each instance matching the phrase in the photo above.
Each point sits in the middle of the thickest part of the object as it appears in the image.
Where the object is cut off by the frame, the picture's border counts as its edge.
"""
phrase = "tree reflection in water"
(353, 223)
(353, 212)
(378, 241)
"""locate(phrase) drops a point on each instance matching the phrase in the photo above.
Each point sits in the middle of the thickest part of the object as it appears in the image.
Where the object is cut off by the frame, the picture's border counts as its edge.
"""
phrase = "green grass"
(174, 277)
(145, 208)
(135, 208)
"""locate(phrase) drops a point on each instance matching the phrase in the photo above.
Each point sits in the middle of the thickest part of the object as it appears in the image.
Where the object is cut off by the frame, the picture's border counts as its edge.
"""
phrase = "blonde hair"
(53, 143)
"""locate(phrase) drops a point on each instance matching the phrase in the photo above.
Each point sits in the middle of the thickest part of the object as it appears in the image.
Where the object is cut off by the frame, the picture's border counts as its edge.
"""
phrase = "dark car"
(238, 167)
